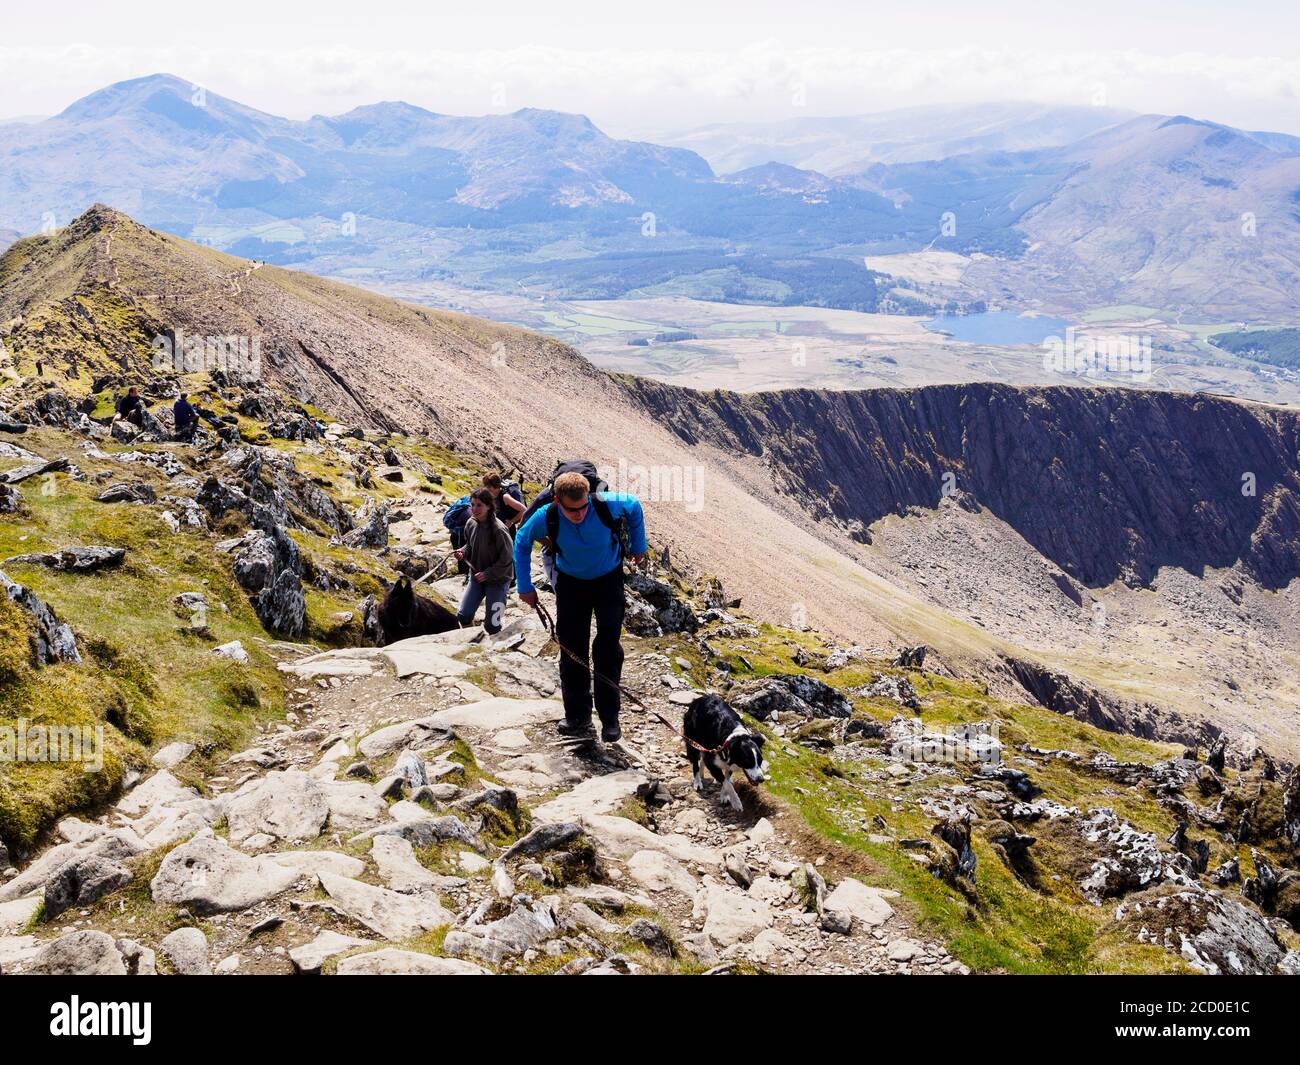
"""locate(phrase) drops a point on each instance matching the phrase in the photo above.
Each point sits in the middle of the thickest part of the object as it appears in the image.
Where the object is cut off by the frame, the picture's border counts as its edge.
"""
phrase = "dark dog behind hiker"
(403, 613)
(591, 534)
(489, 553)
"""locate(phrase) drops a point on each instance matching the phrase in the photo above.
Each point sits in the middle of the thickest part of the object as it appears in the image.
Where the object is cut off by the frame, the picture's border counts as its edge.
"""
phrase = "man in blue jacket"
(590, 536)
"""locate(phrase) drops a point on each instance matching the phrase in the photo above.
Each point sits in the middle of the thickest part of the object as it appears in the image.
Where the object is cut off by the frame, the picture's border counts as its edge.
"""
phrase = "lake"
(998, 327)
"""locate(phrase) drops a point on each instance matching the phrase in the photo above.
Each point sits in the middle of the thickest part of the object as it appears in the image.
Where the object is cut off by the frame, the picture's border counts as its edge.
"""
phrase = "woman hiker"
(509, 507)
(489, 554)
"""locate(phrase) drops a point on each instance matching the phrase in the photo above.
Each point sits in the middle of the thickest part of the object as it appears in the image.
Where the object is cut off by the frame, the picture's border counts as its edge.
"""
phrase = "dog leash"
(437, 569)
(549, 623)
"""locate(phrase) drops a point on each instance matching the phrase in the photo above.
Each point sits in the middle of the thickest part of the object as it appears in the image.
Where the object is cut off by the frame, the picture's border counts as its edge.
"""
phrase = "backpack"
(509, 488)
(620, 536)
(456, 517)
(583, 466)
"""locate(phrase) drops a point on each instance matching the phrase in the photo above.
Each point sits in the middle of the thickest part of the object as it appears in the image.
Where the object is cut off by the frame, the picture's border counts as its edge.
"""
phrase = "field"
(749, 348)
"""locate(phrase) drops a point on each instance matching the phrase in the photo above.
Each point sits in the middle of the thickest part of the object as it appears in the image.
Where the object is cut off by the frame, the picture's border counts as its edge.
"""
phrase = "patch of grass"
(142, 678)
(634, 810)
(1006, 925)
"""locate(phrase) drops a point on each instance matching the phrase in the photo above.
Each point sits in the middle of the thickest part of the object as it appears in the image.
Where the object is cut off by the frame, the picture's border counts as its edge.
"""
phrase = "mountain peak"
(550, 123)
(127, 94)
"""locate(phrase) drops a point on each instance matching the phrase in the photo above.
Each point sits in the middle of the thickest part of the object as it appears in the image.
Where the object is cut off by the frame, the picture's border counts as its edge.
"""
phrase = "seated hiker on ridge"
(131, 408)
(488, 554)
(591, 535)
(185, 417)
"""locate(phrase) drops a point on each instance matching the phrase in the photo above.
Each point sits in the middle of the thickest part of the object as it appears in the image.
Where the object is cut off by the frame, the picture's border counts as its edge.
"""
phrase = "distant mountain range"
(852, 143)
(1068, 206)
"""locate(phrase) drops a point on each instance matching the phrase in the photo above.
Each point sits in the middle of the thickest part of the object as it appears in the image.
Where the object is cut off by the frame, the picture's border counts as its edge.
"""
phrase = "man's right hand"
(528, 597)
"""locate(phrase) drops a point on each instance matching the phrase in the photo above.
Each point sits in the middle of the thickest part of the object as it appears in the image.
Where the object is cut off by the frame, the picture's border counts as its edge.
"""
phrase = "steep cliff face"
(1107, 483)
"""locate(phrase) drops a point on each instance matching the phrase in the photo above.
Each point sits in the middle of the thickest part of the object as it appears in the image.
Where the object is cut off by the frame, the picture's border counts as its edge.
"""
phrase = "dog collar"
(739, 730)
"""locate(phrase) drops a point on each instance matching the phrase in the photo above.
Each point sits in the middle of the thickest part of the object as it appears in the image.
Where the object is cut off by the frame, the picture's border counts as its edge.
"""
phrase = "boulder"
(595, 795)
(657, 871)
(911, 657)
(792, 693)
(218, 497)
(35, 469)
(401, 870)
(187, 950)
(896, 689)
(116, 845)
(234, 650)
(84, 953)
(82, 881)
(545, 838)
(1215, 934)
(1127, 859)
(1291, 808)
(137, 492)
(731, 917)
(621, 838)
(671, 612)
(17, 913)
(651, 936)
(392, 962)
(353, 804)
(387, 913)
(290, 806)
(74, 559)
(269, 568)
(421, 732)
(370, 527)
(206, 876)
(139, 959)
(161, 789)
(172, 755)
(308, 958)
(527, 925)
(314, 862)
(853, 907)
(52, 640)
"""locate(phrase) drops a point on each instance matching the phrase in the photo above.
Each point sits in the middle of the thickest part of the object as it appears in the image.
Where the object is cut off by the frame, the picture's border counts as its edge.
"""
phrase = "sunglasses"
(573, 510)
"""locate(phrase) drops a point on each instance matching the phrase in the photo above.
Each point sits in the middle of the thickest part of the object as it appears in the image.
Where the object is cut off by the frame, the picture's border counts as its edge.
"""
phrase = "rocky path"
(417, 812)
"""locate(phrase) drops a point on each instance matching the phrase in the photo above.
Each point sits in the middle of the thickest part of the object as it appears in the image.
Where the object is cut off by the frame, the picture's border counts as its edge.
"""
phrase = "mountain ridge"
(89, 302)
(546, 201)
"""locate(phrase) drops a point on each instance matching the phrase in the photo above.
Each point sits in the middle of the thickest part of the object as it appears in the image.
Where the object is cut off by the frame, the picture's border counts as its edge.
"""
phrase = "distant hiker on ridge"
(591, 534)
(487, 553)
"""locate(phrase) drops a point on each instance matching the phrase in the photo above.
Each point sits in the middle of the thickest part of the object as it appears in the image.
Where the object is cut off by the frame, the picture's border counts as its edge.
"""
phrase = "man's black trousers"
(575, 602)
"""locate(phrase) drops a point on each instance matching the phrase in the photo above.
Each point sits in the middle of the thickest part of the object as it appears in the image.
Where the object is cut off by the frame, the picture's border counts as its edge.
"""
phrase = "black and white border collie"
(711, 723)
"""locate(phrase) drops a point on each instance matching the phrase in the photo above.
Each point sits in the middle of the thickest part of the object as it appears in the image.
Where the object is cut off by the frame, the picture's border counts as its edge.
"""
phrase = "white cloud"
(644, 89)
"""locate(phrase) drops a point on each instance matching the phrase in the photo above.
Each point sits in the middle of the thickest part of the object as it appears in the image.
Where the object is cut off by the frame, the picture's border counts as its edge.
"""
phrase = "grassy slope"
(145, 677)
(1008, 925)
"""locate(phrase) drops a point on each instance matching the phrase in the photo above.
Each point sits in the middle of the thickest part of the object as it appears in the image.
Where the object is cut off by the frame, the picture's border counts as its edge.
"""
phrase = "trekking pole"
(437, 569)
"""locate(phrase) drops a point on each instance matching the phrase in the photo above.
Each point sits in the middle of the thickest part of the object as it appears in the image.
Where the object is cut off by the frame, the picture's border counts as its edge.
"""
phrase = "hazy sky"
(671, 64)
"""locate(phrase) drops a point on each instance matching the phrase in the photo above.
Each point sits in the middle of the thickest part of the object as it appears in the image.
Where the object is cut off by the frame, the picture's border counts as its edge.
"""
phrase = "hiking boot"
(568, 728)
(611, 733)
